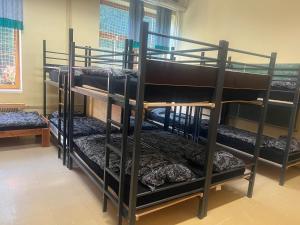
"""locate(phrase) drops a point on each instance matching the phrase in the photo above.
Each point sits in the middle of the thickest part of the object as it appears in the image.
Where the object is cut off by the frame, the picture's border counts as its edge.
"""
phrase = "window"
(114, 17)
(114, 28)
(10, 74)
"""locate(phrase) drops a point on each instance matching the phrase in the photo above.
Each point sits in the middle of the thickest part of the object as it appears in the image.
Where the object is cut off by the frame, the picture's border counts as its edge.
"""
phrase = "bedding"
(83, 126)
(21, 120)
(187, 151)
(88, 152)
(63, 70)
(197, 85)
(155, 169)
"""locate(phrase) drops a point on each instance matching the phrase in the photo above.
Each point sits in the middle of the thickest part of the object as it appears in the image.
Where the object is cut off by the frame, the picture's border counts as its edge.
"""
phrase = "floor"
(35, 189)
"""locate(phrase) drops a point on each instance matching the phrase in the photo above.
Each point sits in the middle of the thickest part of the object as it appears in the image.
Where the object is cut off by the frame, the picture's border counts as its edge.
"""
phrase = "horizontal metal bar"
(93, 57)
(195, 50)
(96, 49)
(107, 55)
(154, 51)
(59, 53)
(247, 64)
(183, 39)
(249, 53)
(56, 58)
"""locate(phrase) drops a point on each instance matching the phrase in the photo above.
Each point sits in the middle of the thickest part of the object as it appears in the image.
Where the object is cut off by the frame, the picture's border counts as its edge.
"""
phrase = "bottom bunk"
(84, 126)
(272, 149)
(168, 170)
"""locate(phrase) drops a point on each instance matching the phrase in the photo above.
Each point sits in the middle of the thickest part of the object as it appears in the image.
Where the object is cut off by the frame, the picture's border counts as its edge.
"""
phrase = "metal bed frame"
(293, 106)
(286, 163)
(62, 87)
(139, 105)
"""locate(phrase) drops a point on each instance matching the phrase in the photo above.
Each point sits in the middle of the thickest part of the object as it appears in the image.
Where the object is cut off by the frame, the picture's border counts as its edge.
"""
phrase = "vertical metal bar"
(229, 65)
(179, 119)
(213, 125)
(290, 132)
(138, 120)
(44, 79)
(167, 118)
(70, 95)
(65, 124)
(87, 63)
(174, 118)
(108, 139)
(260, 130)
(202, 61)
(186, 120)
(130, 55)
(168, 109)
(126, 118)
(124, 66)
(125, 54)
(60, 100)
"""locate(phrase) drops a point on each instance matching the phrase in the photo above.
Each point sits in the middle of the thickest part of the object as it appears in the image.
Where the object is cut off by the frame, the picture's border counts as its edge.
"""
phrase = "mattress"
(84, 126)
(93, 157)
(272, 148)
(21, 120)
(63, 70)
(187, 83)
(283, 90)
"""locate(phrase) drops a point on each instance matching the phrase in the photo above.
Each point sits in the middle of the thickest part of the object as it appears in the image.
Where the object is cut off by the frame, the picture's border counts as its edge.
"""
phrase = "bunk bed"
(55, 74)
(118, 87)
(20, 124)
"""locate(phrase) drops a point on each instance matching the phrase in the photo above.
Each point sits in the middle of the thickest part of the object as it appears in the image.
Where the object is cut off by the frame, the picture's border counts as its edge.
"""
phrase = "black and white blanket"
(21, 120)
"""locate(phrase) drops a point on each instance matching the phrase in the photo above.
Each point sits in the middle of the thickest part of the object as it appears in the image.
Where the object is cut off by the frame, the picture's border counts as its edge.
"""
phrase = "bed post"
(260, 130)
(168, 109)
(138, 121)
(44, 79)
(213, 125)
(294, 110)
(70, 97)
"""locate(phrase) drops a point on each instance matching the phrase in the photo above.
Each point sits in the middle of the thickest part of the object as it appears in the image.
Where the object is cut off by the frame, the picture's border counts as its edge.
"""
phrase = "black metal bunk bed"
(283, 151)
(55, 74)
(52, 76)
(286, 96)
(207, 82)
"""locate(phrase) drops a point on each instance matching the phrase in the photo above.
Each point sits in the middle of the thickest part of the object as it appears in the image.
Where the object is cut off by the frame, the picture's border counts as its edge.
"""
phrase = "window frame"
(18, 87)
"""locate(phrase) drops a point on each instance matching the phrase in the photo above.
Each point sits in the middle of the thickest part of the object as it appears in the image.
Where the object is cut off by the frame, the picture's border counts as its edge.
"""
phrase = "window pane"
(113, 26)
(9, 71)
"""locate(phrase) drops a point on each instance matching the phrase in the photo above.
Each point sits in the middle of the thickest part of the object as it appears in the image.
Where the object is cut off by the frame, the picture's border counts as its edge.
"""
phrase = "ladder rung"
(114, 149)
(115, 123)
(111, 197)
(113, 174)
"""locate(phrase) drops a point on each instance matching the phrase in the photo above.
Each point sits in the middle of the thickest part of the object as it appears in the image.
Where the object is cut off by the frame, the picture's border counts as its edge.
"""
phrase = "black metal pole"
(138, 120)
(294, 110)
(44, 79)
(259, 135)
(70, 96)
(213, 125)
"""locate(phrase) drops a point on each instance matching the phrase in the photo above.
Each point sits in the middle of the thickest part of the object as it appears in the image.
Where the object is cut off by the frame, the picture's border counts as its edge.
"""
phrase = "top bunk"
(55, 67)
(284, 88)
(169, 76)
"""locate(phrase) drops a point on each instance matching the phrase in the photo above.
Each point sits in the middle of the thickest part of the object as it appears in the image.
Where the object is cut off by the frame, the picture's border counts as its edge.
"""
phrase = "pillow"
(222, 160)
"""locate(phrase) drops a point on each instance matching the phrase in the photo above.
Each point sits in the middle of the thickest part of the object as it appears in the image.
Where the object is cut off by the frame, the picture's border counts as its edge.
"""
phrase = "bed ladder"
(123, 102)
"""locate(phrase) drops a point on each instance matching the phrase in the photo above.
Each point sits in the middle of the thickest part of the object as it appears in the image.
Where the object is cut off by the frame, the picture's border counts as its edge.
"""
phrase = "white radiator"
(11, 107)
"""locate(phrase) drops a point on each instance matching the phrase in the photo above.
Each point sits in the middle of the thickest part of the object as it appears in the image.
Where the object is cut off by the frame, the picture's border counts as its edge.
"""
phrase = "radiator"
(11, 107)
